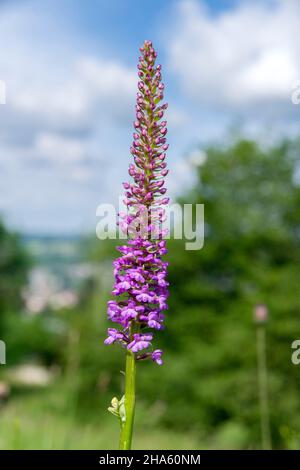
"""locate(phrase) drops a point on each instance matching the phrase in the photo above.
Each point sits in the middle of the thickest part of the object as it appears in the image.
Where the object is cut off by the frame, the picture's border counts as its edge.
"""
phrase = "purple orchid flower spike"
(140, 273)
(140, 287)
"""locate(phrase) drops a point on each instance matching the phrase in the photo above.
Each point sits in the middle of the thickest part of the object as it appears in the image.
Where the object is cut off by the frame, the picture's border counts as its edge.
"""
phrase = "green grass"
(44, 420)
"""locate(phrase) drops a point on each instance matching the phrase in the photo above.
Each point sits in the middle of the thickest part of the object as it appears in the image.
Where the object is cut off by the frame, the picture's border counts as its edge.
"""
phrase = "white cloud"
(64, 105)
(88, 83)
(59, 148)
(109, 79)
(67, 99)
(177, 117)
(65, 129)
(243, 57)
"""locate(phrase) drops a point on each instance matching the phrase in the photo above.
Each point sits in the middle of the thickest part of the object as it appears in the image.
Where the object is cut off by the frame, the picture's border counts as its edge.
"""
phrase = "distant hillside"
(58, 271)
(52, 250)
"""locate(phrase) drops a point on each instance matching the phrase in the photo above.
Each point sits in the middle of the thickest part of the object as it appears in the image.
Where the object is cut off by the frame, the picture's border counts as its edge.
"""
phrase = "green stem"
(127, 427)
(263, 387)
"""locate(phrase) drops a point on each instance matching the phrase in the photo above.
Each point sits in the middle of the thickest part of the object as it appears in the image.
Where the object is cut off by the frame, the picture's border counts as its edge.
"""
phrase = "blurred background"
(230, 68)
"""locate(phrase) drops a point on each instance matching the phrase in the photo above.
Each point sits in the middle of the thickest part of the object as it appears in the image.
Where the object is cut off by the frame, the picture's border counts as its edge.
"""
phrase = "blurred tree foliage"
(14, 265)
(251, 255)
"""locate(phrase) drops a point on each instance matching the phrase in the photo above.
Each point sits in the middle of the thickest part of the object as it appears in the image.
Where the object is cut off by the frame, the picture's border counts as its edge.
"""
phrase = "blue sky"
(70, 73)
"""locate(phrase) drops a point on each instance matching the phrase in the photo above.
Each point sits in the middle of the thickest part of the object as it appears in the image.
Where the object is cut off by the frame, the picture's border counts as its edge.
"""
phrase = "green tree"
(14, 264)
(251, 255)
